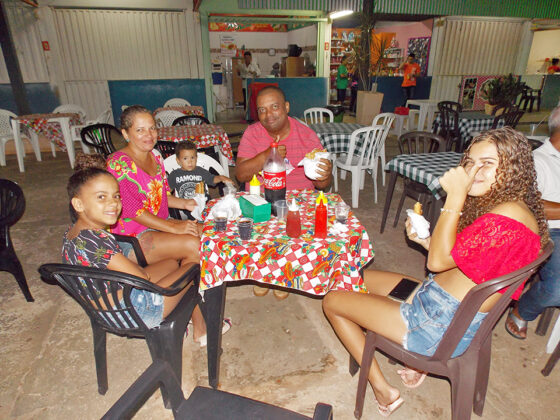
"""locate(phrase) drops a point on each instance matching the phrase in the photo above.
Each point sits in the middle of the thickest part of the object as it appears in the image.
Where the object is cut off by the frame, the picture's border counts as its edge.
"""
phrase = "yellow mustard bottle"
(254, 186)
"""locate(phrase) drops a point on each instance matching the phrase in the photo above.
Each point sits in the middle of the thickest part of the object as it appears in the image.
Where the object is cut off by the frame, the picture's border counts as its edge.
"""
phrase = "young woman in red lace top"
(492, 223)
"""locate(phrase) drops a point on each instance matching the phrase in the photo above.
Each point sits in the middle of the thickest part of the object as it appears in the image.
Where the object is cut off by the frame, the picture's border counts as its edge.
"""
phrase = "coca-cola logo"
(274, 181)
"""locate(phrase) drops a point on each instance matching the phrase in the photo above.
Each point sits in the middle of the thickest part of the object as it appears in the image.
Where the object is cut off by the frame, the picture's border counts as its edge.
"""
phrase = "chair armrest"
(140, 257)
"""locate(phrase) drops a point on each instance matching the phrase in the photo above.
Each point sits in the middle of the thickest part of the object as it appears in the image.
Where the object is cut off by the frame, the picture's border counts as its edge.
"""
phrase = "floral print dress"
(140, 192)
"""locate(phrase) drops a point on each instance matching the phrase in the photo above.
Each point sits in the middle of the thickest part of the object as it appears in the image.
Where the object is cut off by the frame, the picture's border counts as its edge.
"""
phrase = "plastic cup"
(220, 221)
(245, 227)
(281, 207)
(341, 212)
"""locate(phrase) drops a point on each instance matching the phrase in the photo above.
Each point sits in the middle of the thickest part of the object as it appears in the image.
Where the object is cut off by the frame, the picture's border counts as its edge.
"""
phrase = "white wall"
(256, 42)
(546, 44)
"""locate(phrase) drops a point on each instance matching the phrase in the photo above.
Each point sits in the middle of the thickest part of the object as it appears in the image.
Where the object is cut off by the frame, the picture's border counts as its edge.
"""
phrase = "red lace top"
(494, 245)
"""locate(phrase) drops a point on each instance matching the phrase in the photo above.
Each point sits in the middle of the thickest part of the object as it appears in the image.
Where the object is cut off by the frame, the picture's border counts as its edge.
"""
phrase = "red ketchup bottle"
(321, 217)
(293, 222)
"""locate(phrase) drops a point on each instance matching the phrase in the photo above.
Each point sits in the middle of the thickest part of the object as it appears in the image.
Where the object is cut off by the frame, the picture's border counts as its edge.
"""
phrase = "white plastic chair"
(176, 102)
(7, 134)
(315, 115)
(386, 120)
(360, 159)
(202, 160)
(166, 118)
(73, 109)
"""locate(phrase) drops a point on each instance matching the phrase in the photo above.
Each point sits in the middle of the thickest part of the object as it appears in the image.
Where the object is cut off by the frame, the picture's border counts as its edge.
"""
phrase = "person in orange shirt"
(411, 70)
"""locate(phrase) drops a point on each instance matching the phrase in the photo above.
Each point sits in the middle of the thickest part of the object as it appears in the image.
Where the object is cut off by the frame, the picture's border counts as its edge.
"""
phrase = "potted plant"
(501, 91)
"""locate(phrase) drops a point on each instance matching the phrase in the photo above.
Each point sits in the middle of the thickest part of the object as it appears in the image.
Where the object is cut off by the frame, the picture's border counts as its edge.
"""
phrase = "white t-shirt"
(547, 165)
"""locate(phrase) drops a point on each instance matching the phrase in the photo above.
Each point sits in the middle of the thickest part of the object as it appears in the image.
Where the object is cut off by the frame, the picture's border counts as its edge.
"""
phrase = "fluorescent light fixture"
(341, 13)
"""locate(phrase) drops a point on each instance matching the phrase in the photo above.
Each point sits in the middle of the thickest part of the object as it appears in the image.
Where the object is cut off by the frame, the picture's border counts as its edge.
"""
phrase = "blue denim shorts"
(428, 316)
(148, 305)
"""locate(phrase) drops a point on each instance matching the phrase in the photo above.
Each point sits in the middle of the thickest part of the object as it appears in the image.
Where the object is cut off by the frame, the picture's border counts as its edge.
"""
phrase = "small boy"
(185, 179)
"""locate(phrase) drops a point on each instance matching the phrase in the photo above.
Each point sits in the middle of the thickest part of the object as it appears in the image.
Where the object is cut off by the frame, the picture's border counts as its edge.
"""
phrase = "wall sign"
(46, 46)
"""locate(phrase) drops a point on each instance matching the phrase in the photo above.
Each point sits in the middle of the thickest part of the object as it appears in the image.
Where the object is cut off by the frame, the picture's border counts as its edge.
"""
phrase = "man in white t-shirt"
(546, 292)
(248, 70)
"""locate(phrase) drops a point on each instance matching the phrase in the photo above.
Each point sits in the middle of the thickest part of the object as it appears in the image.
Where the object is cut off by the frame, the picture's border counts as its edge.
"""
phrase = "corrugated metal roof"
(503, 8)
(549, 9)
(324, 5)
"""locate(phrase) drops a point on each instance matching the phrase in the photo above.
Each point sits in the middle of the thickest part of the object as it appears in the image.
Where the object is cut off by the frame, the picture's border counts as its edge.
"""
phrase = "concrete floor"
(284, 353)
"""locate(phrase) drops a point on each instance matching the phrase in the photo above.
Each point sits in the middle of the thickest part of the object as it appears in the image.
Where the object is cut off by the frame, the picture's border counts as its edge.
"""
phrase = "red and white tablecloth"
(51, 130)
(204, 135)
(186, 110)
(311, 265)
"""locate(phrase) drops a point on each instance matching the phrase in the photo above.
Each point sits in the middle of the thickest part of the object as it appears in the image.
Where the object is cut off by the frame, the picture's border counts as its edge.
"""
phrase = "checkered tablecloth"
(204, 135)
(186, 110)
(426, 168)
(311, 265)
(51, 130)
(470, 121)
(335, 137)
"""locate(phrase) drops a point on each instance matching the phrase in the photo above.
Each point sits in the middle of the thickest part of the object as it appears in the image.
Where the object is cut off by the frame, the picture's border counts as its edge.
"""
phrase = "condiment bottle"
(255, 186)
(293, 222)
(321, 217)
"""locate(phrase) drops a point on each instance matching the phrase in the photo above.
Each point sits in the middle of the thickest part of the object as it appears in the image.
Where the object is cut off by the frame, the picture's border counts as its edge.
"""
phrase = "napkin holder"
(255, 207)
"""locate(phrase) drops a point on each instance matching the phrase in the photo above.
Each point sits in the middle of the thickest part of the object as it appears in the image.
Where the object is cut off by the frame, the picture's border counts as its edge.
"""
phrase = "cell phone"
(403, 289)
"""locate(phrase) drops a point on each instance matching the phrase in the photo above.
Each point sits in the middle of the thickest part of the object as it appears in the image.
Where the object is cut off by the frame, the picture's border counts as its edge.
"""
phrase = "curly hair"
(516, 179)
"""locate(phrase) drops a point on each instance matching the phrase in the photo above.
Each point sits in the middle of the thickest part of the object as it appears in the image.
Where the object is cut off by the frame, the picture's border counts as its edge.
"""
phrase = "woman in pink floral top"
(143, 186)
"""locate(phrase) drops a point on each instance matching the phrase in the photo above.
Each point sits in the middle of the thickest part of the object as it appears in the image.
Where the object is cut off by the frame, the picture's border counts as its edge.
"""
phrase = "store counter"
(393, 96)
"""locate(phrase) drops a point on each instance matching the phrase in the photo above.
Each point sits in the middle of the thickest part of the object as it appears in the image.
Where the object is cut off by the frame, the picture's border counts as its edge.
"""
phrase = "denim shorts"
(148, 305)
(127, 248)
(428, 316)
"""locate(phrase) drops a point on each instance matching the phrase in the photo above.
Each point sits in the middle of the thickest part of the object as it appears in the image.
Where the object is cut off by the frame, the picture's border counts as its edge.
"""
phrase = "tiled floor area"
(282, 352)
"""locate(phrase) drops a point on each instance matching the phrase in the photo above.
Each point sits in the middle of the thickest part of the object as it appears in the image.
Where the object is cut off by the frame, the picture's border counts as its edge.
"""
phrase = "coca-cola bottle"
(274, 174)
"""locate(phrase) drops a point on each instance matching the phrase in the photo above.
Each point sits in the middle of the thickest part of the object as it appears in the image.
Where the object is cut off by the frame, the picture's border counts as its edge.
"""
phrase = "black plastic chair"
(191, 120)
(511, 119)
(94, 289)
(166, 148)
(468, 372)
(140, 257)
(449, 129)
(203, 403)
(411, 143)
(529, 96)
(12, 206)
(99, 137)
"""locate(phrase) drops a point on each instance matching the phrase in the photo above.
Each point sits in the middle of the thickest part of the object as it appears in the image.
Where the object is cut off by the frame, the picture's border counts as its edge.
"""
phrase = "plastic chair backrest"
(415, 142)
(12, 204)
(71, 109)
(166, 118)
(191, 120)
(510, 119)
(176, 102)
(104, 117)
(365, 143)
(6, 123)
(385, 118)
(316, 115)
(98, 293)
(202, 160)
(473, 300)
(99, 136)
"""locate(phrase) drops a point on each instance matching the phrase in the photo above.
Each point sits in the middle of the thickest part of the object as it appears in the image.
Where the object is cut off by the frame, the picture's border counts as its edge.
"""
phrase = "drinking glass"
(245, 227)
(281, 207)
(341, 212)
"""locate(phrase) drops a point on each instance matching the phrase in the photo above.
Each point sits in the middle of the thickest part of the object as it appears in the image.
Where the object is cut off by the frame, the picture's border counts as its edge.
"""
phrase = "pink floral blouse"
(140, 192)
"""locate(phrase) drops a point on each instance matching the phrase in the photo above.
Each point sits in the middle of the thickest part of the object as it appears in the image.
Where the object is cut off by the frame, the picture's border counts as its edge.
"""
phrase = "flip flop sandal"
(521, 325)
(225, 328)
(387, 410)
(404, 377)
